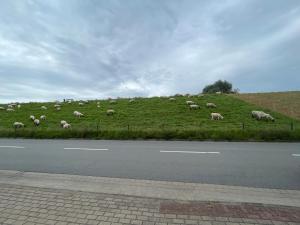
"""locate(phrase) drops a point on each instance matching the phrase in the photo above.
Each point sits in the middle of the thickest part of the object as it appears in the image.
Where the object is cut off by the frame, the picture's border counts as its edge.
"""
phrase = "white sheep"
(172, 99)
(32, 117)
(80, 103)
(218, 92)
(260, 115)
(78, 114)
(43, 107)
(10, 110)
(10, 106)
(216, 116)
(62, 123)
(112, 101)
(19, 106)
(2, 108)
(18, 125)
(131, 100)
(43, 117)
(110, 112)
(57, 106)
(66, 126)
(194, 106)
(36, 122)
(210, 105)
(190, 102)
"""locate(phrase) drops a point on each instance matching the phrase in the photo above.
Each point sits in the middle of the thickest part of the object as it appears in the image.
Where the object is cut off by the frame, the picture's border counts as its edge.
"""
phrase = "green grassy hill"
(151, 118)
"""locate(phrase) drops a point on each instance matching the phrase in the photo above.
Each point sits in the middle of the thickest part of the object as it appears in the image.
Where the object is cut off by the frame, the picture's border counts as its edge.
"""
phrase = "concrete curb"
(153, 189)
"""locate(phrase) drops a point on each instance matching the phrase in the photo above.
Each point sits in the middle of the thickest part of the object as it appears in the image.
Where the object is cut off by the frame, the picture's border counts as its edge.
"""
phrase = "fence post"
(243, 126)
(292, 126)
(128, 127)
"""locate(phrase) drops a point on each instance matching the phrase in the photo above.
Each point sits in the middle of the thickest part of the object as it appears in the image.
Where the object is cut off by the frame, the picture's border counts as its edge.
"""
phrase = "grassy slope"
(287, 103)
(154, 114)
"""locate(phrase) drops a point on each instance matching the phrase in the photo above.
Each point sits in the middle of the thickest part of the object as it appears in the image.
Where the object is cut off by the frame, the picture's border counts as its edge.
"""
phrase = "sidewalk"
(36, 198)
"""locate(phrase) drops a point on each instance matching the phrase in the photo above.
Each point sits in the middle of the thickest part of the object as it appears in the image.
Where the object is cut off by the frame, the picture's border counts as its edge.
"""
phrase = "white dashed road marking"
(191, 152)
(296, 155)
(12, 147)
(89, 149)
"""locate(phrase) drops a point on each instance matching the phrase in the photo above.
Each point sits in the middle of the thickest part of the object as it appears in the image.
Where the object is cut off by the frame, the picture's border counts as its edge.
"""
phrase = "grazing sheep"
(19, 106)
(172, 99)
(62, 123)
(18, 125)
(260, 115)
(10, 110)
(131, 100)
(201, 95)
(32, 117)
(66, 126)
(78, 114)
(43, 107)
(194, 106)
(80, 103)
(9, 106)
(110, 112)
(36, 122)
(112, 101)
(210, 105)
(2, 108)
(58, 108)
(218, 92)
(43, 117)
(190, 102)
(13, 104)
(216, 116)
(98, 106)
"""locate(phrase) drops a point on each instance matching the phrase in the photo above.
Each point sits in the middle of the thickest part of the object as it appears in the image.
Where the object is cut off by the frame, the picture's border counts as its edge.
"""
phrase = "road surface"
(265, 165)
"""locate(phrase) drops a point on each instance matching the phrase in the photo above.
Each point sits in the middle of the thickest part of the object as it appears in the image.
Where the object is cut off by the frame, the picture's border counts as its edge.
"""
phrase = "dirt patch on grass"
(287, 103)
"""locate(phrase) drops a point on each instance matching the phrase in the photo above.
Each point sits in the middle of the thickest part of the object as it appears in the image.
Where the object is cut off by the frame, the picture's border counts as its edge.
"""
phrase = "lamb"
(10, 110)
(43, 107)
(78, 114)
(62, 123)
(194, 106)
(190, 102)
(43, 117)
(66, 126)
(110, 112)
(18, 125)
(216, 116)
(36, 122)
(32, 117)
(172, 99)
(210, 105)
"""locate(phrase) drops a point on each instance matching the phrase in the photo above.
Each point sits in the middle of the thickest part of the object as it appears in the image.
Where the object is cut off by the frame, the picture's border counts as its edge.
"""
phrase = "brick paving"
(33, 205)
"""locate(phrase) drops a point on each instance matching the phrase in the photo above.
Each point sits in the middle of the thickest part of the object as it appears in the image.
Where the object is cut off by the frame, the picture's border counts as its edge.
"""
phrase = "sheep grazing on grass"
(10, 110)
(9, 106)
(2, 108)
(260, 115)
(201, 95)
(66, 126)
(19, 106)
(216, 116)
(172, 99)
(218, 92)
(110, 112)
(13, 104)
(112, 101)
(32, 117)
(131, 100)
(194, 106)
(36, 122)
(80, 103)
(62, 123)
(58, 108)
(190, 102)
(18, 125)
(78, 114)
(43, 117)
(210, 105)
(43, 107)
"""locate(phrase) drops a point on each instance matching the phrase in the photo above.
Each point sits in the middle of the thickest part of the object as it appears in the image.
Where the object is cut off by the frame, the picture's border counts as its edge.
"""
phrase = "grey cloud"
(96, 49)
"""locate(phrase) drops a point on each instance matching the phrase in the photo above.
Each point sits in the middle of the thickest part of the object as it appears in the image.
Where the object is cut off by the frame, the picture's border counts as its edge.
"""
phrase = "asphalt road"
(266, 165)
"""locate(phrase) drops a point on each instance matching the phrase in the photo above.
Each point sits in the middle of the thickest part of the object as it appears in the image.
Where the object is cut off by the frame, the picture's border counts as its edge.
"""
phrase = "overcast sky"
(96, 49)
